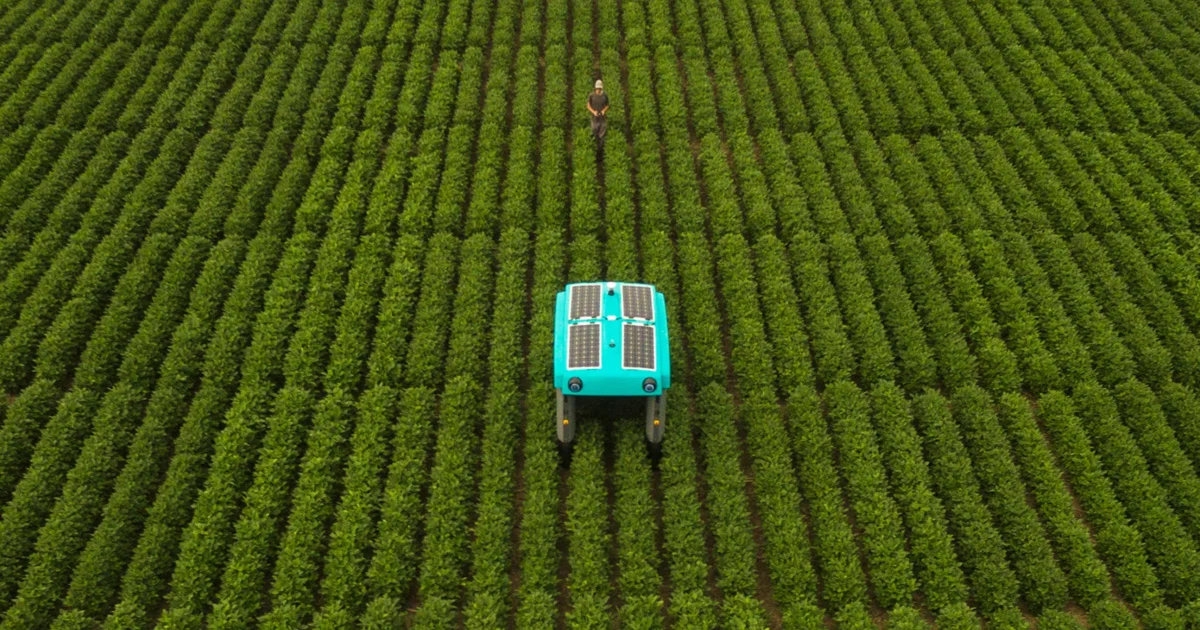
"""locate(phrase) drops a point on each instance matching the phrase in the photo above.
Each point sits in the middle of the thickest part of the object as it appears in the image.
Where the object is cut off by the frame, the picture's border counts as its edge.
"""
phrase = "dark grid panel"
(583, 346)
(638, 347)
(585, 301)
(637, 302)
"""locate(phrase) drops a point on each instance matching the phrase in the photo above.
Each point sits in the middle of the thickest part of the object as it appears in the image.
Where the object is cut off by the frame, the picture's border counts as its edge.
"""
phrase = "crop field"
(277, 284)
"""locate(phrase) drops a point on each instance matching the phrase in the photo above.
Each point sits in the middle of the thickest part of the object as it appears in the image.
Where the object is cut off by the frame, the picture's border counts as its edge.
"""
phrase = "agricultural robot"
(610, 339)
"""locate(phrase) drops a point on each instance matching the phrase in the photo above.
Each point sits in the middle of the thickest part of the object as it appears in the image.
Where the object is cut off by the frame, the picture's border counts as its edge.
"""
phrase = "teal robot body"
(611, 339)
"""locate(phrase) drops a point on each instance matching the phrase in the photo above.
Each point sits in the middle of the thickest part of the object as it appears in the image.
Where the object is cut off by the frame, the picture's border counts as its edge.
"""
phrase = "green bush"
(934, 558)
(980, 544)
(875, 512)
(832, 353)
(1086, 575)
(1043, 582)
(728, 511)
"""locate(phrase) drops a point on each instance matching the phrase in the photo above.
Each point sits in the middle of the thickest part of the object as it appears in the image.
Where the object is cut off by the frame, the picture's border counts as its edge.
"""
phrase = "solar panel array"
(585, 301)
(638, 347)
(637, 302)
(583, 346)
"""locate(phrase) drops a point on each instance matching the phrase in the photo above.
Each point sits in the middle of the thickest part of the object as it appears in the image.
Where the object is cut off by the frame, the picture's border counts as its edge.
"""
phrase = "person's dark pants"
(599, 128)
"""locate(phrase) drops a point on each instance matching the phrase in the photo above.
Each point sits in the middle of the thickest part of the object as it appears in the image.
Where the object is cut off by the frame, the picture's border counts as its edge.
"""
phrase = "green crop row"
(1162, 313)
(889, 204)
(1112, 293)
(875, 511)
(832, 352)
(417, 213)
(350, 536)
(46, 573)
(539, 523)
(395, 314)
(1050, 316)
(1011, 308)
(915, 359)
(683, 527)
(1043, 583)
(1061, 335)
(537, 552)
(870, 340)
(200, 556)
(265, 502)
(210, 251)
(21, 430)
(1118, 541)
(979, 543)
(53, 142)
(551, 211)
(1147, 421)
(1180, 405)
(701, 319)
(492, 547)
(37, 293)
(728, 509)
(343, 582)
(220, 368)
(760, 217)
(25, 255)
(1168, 544)
(1164, 156)
(32, 499)
(777, 495)
(853, 194)
(588, 533)
(781, 312)
(843, 579)
(251, 552)
(936, 564)
(585, 219)
(394, 552)
(468, 330)
(1132, 194)
(295, 575)
(147, 576)
(942, 323)
(621, 246)
(749, 356)
(72, 324)
(775, 59)
(1113, 359)
(1001, 367)
(638, 578)
(432, 315)
(446, 550)
(1138, 183)
(94, 586)
(823, 203)
(1087, 577)
(538, 556)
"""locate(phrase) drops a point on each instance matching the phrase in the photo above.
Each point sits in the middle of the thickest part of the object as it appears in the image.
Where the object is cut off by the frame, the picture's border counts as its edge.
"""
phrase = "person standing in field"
(597, 103)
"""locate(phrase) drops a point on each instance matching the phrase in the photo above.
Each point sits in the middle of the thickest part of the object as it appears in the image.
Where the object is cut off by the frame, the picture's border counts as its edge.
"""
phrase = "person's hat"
(599, 84)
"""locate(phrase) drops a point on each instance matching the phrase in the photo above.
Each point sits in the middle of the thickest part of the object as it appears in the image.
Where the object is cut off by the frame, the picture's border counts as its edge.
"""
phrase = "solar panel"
(585, 301)
(637, 302)
(583, 346)
(638, 347)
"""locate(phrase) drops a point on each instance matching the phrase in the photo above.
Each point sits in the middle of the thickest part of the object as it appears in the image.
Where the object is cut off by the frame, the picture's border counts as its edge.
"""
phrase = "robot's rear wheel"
(566, 418)
(656, 418)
